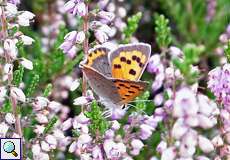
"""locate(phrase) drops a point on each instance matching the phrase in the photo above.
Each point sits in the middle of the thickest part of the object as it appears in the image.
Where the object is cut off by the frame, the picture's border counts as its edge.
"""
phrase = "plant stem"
(17, 122)
(13, 101)
(85, 47)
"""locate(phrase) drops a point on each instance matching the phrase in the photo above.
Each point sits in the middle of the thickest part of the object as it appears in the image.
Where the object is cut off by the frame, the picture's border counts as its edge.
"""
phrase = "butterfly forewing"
(102, 86)
(129, 61)
(98, 59)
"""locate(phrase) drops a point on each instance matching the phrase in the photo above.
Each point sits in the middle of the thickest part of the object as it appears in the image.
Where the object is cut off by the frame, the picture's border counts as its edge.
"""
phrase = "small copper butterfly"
(115, 75)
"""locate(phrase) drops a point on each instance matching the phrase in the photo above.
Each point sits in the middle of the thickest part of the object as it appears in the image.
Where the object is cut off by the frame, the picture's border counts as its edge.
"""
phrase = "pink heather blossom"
(175, 52)
(4, 129)
(40, 103)
(97, 153)
(10, 118)
(16, 2)
(106, 16)
(3, 92)
(26, 63)
(155, 65)
(70, 41)
(169, 154)
(219, 83)
(18, 94)
(75, 7)
(205, 144)
(161, 147)
(101, 36)
(25, 18)
(114, 150)
(10, 47)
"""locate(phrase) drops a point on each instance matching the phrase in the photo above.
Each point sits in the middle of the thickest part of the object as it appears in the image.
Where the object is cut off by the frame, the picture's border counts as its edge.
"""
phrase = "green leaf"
(6, 107)
(163, 31)
(141, 104)
(48, 90)
(227, 51)
(131, 27)
(33, 83)
(18, 75)
(98, 122)
(50, 125)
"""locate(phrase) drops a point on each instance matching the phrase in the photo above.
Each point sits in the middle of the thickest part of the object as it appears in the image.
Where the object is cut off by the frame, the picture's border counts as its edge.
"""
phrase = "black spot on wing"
(117, 66)
(122, 59)
(128, 61)
(132, 72)
(134, 57)
(131, 92)
(138, 60)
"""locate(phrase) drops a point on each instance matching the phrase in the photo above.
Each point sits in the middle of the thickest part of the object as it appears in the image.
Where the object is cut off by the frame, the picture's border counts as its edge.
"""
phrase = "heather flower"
(4, 129)
(68, 46)
(114, 150)
(175, 52)
(211, 9)
(97, 153)
(81, 100)
(26, 63)
(75, 7)
(101, 36)
(3, 92)
(26, 40)
(18, 94)
(11, 9)
(16, 2)
(169, 154)
(219, 83)
(74, 85)
(9, 117)
(106, 17)
(40, 103)
(41, 118)
(25, 18)
(205, 144)
(10, 47)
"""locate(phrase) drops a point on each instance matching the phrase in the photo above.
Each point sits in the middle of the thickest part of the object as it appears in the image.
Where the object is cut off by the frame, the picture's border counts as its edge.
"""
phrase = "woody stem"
(85, 47)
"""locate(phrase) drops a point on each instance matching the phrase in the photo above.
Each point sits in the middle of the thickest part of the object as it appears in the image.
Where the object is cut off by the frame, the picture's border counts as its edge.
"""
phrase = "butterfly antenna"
(141, 100)
(107, 113)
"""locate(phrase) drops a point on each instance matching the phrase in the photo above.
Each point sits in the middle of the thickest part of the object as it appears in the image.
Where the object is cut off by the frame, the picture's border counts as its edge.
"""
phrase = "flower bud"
(169, 154)
(80, 37)
(10, 118)
(205, 144)
(26, 63)
(217, 141)
(17, 94)
(26, 40)
(137, 144)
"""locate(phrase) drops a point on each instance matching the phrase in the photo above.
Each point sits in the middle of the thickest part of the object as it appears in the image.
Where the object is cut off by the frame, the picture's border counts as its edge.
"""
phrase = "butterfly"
(115, 75)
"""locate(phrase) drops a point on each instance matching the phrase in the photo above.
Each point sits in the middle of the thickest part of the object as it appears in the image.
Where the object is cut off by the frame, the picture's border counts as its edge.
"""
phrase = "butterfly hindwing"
(129, 90)
(129, 61)
(98, 59)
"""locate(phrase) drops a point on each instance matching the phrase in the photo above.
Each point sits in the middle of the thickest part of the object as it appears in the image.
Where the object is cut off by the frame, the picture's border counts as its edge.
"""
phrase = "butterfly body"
(114, 75)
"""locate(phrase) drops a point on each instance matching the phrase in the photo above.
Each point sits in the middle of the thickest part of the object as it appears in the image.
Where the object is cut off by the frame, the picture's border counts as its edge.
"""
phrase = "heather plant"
(47, 101)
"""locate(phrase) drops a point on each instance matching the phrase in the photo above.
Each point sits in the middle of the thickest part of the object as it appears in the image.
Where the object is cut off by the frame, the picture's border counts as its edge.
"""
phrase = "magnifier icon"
(9, 147)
